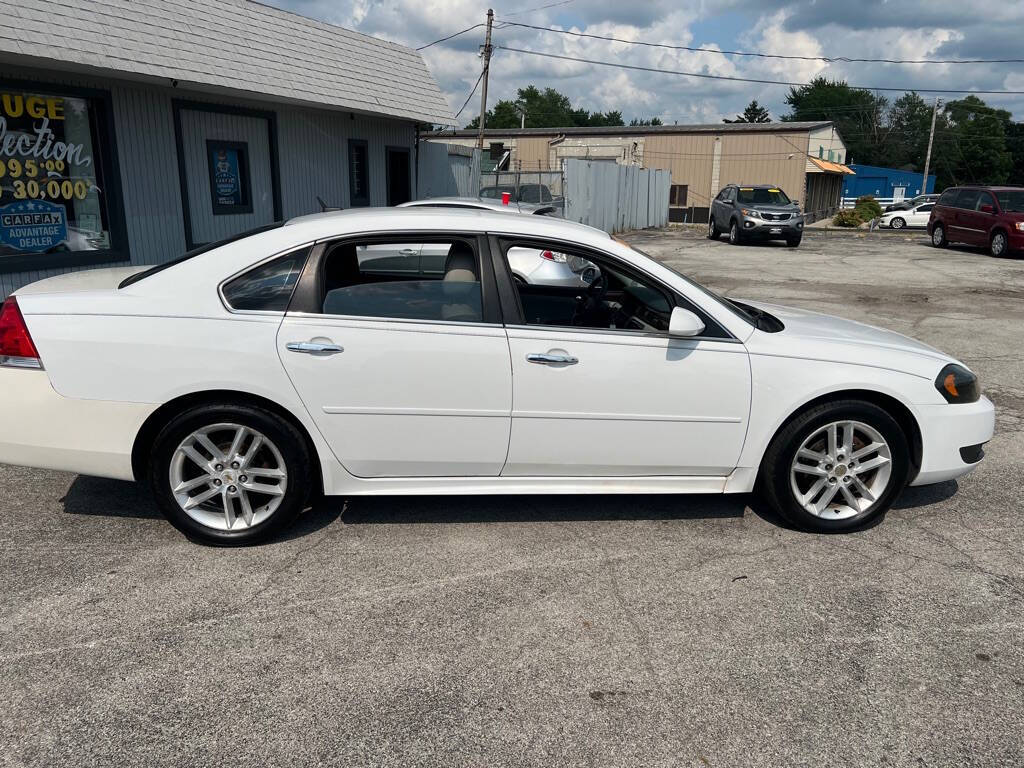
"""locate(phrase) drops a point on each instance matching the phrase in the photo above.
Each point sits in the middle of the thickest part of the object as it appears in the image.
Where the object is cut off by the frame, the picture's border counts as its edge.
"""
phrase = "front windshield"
(1011, 200)
(762, 196)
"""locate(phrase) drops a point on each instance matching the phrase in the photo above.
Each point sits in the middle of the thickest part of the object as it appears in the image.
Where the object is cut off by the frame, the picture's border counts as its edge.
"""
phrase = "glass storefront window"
(54, 196)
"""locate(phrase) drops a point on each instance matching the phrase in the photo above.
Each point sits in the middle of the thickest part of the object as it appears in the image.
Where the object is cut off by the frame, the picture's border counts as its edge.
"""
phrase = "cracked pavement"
(552, 631)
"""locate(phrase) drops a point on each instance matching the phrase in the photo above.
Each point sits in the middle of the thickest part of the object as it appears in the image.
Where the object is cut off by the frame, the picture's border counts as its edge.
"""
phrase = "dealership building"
(134, 130)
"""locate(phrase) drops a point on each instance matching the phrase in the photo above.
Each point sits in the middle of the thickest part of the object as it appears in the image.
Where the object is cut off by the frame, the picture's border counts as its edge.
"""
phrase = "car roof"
(755, 186)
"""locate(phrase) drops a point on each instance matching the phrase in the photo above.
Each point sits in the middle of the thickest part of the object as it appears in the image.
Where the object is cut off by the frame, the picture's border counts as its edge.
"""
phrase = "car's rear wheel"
(836, 466)
(713, 232)
(999, 245)
(897, 223)
(735, 236)
(230, 475)
(939, 236)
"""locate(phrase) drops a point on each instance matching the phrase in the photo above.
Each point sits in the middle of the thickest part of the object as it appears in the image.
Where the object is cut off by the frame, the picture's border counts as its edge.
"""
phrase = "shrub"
(847, 219)
(867, 207)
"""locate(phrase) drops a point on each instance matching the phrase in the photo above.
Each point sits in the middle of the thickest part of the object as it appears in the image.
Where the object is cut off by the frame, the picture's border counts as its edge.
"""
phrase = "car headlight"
(750, 213)
(957, 384)
(1019, 225)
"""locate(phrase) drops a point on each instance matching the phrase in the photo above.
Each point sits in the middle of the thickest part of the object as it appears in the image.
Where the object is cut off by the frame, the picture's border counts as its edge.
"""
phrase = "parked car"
(990, 217)
(761, 212)
(913, 202)
(914, 217)
(349, 381)
(534, 194)
(530, 265)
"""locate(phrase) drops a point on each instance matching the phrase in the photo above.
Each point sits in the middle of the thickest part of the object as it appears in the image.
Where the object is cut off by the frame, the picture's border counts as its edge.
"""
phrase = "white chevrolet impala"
(321, 356)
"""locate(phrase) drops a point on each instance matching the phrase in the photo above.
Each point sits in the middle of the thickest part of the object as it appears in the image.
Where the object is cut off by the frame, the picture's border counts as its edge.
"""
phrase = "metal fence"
(851, 202)
(616, 197)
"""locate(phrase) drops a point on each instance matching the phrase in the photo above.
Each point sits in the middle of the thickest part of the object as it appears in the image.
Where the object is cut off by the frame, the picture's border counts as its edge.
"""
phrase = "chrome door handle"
(408, 251)
(314, 348)
(549, 358)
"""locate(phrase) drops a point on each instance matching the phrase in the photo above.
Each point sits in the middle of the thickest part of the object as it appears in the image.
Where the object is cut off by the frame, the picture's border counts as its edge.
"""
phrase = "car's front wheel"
(897, 223)
(735, 237)
(793, 242)
(836, 466)
(712, 229)
(230, 475)
(998, 245)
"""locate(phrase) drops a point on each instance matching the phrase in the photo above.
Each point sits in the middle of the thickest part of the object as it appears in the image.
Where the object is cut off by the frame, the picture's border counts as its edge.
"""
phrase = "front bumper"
(945, 429)
(40, 428)
(768, 230)
(1016, 240)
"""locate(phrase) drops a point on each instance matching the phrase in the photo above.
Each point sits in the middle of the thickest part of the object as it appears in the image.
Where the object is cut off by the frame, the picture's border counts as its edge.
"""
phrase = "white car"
(530, 265)
(250, 375)
(914, 217)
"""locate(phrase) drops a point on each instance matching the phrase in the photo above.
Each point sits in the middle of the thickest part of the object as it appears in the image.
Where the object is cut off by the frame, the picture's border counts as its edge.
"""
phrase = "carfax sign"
(33, 226)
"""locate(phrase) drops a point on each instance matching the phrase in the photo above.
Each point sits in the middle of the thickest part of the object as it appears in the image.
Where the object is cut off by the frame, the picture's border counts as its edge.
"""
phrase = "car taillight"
(17, 349)
(561, 258)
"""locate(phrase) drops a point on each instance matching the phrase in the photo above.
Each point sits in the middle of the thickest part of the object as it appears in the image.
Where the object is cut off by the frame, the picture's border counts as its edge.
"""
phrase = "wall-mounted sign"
(230, 191)
(358, 173)
(52, 186)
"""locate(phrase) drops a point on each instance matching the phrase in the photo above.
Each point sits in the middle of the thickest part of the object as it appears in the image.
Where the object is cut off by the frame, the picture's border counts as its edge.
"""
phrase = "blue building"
(885, 183)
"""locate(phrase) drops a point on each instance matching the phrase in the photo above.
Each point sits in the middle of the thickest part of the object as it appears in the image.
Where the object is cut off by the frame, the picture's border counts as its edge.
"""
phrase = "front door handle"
(314, 348)
(551, 358)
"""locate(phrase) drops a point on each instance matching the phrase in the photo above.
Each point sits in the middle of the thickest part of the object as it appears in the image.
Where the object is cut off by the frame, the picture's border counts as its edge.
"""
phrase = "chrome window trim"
(396, 320)
(619, 332)
(250, 268)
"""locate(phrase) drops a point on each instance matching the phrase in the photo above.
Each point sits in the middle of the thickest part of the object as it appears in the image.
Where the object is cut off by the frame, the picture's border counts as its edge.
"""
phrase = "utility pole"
(487, 69)
(928, 155)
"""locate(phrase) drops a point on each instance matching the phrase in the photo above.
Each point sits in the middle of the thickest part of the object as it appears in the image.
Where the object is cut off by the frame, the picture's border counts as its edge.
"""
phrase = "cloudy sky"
(897, 29)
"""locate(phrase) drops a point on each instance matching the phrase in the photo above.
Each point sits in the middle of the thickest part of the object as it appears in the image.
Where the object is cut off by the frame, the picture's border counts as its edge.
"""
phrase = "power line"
(443, 39)
(829, 59)
(538, 8)
(707, 76)
(475, 86)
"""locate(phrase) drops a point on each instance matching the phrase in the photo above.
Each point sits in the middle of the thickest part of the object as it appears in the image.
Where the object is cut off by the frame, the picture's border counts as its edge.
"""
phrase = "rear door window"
(968, 199)
(268, 287)
(431, 280)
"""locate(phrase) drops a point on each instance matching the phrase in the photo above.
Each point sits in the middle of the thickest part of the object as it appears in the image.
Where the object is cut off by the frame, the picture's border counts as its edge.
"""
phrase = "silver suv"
(755, 211)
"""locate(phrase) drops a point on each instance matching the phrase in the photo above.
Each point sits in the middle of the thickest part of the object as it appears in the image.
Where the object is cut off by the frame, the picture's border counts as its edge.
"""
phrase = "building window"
(230, 189)
(497, 150)
(59, 199)
(677, 195)
(358, 173)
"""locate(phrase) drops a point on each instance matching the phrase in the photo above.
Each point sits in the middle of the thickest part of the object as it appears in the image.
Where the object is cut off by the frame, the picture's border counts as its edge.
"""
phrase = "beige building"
(805, 159)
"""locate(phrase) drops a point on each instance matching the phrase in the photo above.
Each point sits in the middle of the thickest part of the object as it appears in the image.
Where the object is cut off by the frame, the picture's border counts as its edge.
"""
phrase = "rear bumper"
(945, 430)
(40, 428)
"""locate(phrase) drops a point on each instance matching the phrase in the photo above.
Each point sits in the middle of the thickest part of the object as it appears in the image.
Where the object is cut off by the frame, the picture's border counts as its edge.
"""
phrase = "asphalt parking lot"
(562, 631)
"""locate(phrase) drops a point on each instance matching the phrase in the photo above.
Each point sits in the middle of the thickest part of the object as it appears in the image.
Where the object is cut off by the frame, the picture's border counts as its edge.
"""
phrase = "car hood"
(825, 337)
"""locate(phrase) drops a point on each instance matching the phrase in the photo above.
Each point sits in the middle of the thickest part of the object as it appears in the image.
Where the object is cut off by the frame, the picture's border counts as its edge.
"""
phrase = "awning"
(817, 165)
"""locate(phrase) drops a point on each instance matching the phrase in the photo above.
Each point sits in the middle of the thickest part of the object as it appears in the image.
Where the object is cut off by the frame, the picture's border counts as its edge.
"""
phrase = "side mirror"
(987, 209)
(684, 323)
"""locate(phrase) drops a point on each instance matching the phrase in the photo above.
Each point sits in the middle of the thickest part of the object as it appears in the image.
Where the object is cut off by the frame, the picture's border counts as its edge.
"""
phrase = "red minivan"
(991, 217)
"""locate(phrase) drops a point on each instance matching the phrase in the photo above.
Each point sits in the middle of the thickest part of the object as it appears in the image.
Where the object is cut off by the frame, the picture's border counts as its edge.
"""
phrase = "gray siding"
(312, 151)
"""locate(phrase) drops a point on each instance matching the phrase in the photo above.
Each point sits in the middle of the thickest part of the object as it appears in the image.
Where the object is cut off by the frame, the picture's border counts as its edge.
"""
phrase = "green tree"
(977, 132)
(754, 113)
(858, 114)
(640, 121)
(544, 109)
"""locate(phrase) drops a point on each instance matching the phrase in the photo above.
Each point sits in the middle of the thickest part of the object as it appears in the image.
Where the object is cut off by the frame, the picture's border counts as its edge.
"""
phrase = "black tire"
(793, 242)
(735, 235)
(999, 244)
(939, 236)
(713, 233)
(778, 459)
(897, 223)
(285, 436)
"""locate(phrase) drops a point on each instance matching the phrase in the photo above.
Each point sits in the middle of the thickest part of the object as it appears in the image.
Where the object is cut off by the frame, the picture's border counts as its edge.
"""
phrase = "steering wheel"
(591, 298)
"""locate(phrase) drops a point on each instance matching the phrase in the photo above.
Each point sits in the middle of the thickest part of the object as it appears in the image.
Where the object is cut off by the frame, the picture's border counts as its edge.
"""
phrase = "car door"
(404, 373)
(919, 216)
(966, 226)
(618, 396)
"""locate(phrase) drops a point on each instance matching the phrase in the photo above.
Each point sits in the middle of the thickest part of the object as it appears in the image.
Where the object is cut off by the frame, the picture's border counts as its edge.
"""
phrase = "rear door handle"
(314, 348)
(551, 358)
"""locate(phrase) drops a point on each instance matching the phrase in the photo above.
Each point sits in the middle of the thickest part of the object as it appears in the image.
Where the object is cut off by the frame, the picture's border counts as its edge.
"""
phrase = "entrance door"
(399, 176)
(898, 194)
(396, 366)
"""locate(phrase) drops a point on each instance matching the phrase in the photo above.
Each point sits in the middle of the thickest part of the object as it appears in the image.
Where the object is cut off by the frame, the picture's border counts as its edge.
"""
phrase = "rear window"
(268, 287)
(132, 279)
(772, 196)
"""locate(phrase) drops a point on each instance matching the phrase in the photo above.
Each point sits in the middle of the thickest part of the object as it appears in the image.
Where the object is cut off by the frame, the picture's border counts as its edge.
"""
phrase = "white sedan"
(248, 376)
(914, 217)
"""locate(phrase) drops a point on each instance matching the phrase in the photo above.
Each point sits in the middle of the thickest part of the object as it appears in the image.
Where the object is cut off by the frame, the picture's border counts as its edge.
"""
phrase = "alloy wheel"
(840, 470)
(938, 236)
(998, 244)
(898, 223)
(228, 476)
